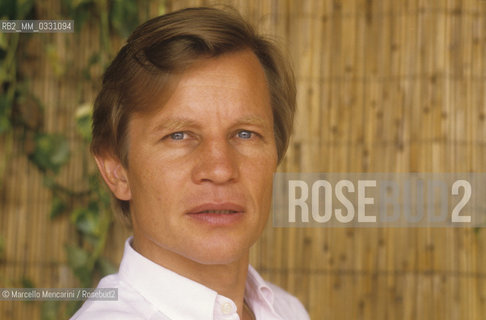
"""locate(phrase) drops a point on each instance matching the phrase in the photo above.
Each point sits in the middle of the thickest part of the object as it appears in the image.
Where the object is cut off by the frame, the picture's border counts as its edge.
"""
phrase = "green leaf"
(94, 59)
(77, 257)
(50, 310)
(83, 121)
(106, 267)
(27, 283)
(16, 9)
(55, 61)
(5, 107)
(79, 3)
(78, 260)
(124, 16)
(51, 152)
(71, 308)
(8, 9)
(49, 181)
(3, 41)
(3, 54)
(4, 124)
(79, 10)
(57, 208)
(86, 220)
(24, 8)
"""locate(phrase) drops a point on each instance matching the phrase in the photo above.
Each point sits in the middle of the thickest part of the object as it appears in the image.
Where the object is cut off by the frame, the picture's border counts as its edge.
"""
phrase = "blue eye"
(177, 135)
(244, 134)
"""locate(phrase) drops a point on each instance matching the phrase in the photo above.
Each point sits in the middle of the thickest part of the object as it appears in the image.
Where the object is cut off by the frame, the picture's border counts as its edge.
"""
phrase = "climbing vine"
(22, 111)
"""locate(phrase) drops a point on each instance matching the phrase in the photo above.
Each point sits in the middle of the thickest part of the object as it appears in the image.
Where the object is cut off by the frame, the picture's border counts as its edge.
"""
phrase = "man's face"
(201, 166)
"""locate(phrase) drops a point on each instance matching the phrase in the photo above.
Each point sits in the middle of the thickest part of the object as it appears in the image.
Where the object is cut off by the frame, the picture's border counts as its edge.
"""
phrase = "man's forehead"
(231, 87)
(236, 69)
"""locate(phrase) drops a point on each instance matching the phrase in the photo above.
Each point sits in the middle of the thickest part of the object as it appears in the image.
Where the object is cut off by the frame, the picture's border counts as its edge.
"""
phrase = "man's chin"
(220, 254)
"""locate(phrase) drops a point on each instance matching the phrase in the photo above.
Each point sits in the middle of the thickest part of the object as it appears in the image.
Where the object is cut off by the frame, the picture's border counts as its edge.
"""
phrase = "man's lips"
(217, 214)
(217, 208)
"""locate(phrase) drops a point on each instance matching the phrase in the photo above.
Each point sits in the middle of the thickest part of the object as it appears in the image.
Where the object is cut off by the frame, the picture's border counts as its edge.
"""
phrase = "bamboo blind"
(383, 86)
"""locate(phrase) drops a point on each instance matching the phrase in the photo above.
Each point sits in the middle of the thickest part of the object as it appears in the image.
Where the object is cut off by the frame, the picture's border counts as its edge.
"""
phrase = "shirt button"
(226, 308)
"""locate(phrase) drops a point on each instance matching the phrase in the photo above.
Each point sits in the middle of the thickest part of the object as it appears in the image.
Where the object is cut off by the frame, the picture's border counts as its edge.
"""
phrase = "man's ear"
(115, 176)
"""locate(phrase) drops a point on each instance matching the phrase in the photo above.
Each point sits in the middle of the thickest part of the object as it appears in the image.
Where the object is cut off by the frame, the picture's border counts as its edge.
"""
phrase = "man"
(193, 117)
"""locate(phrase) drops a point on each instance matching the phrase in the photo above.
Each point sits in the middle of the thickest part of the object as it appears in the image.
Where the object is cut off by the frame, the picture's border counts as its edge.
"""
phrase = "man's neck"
(226, 279)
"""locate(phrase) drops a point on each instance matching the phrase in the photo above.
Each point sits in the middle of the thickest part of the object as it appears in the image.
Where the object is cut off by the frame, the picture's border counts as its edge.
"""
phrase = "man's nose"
(216, 162)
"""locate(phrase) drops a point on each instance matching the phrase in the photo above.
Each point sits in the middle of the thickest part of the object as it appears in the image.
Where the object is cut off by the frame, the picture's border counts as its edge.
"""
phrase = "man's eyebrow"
(174, 124)
(253, 120)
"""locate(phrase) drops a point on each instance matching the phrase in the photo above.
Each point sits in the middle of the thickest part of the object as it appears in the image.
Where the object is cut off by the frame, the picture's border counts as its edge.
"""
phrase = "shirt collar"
(256, 288)
(188, 299)
(259, 295)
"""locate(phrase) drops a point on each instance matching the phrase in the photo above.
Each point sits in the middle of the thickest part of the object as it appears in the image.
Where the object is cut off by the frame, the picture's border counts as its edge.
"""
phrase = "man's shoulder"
(286, 304)
(128, 305)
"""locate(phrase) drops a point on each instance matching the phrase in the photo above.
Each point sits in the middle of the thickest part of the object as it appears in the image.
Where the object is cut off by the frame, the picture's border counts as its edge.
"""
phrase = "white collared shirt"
(147, 290)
